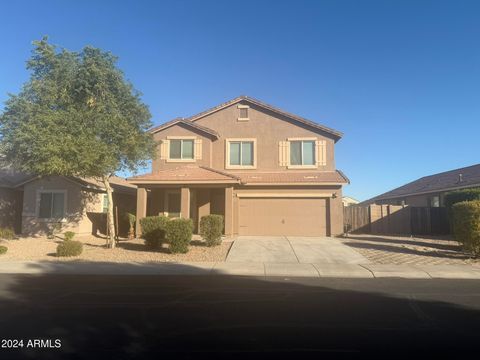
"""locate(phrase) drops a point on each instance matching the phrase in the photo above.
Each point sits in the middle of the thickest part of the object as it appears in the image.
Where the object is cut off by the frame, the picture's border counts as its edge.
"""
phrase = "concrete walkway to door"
(293, 249)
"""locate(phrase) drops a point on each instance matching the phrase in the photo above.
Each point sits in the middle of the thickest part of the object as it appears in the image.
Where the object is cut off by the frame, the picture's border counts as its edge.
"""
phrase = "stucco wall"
(78, 203)
(267, 127)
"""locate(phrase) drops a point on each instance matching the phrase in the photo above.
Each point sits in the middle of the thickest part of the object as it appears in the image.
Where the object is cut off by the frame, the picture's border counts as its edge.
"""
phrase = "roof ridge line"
(219, 172)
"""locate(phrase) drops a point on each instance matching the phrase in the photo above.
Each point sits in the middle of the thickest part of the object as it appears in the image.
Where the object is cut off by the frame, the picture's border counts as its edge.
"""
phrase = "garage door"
(282, 216)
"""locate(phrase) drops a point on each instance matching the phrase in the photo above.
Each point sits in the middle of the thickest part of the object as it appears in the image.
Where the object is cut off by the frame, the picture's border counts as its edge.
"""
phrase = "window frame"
(239, 112)
(181, 138)
(315, 155)
(240, 140)
(38, 200)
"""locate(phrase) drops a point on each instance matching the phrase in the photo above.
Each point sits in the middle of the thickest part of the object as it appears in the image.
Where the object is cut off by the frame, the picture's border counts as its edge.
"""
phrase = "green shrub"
(153, 230)
(457, 196)
(179, 234)
(131, 218)
(7, 233)
(211, 228)
(3, 249)
(69, 248)
(69, 235)
(466, 225)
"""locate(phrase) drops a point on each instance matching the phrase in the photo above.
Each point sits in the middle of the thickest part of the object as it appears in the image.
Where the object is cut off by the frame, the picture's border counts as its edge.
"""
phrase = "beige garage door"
(282, 216)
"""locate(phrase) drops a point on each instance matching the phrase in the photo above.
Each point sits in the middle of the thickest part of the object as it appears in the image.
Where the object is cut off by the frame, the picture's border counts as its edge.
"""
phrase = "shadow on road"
(125, 316)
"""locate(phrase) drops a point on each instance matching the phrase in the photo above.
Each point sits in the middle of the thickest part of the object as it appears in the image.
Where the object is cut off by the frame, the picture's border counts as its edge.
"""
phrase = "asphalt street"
(131, 316)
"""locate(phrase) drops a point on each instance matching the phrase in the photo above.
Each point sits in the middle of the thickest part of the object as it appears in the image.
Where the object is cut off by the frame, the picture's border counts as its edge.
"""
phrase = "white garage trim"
(285, 195)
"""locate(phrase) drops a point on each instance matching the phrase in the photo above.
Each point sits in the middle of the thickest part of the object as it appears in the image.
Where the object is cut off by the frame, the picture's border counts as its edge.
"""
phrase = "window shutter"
(164, 149)
(283, 147)
(321, 147)
(198, 149)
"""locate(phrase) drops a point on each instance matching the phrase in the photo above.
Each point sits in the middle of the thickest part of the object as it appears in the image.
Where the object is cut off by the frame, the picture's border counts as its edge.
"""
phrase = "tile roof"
(186, 123)
(188, 174)
(190, 121)
(459, 178)
(293, 177)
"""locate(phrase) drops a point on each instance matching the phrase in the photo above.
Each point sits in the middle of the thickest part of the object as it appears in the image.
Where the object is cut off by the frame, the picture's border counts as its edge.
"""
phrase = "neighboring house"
(11, 199)
(430, 190)
(75, 203)
(349, 201)
(268, 172)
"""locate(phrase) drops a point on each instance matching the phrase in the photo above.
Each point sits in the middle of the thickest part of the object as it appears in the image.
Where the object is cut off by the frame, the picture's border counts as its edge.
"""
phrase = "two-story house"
(268, 172)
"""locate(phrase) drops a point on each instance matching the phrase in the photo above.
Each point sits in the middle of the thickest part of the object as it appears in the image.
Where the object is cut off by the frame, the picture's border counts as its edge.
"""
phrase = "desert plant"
(3, 249)
(466, 225)
(211, 228)
(7, 233)
(131, 218)
(153, 230)
(69, 235)
(178, 233)
(69, 248)
(56, 228)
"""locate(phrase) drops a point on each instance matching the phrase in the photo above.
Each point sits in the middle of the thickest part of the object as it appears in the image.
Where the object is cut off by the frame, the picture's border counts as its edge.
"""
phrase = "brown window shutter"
(164, 149)
(283, 153)
(321, 147)
(198, 149)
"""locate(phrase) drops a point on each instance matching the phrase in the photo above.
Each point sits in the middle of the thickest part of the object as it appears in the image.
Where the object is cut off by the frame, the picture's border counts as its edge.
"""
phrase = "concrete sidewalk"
(259, 269)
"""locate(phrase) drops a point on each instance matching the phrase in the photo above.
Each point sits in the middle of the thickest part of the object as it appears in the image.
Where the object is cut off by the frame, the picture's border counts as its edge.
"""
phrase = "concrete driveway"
(293, 249)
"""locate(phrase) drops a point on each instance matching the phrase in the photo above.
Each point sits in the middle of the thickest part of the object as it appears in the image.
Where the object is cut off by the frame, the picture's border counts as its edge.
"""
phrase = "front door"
(172, 204)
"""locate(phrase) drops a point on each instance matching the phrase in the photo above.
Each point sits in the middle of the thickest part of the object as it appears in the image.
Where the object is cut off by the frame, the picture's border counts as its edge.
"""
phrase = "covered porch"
(188, 192)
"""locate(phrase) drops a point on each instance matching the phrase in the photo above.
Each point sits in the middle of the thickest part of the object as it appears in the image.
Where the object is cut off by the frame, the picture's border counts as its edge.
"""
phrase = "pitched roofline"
(384, 196)
(184, 122)
(379, 197)
(335, 133)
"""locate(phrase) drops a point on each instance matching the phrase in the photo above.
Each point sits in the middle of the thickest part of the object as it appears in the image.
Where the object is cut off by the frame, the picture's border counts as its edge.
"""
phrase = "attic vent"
(310, 177)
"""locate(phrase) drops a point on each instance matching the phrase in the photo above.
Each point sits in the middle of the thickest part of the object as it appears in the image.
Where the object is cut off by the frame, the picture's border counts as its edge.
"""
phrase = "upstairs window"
(181, 149)
(302, 152)
(240, 153)
(52, 205)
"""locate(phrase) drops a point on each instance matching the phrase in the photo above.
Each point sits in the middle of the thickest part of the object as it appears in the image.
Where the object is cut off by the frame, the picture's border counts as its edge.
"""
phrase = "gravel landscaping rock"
(41, 248)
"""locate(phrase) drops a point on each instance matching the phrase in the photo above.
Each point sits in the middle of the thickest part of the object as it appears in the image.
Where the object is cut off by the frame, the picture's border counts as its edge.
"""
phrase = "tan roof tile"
(293, 177)
(189, 173)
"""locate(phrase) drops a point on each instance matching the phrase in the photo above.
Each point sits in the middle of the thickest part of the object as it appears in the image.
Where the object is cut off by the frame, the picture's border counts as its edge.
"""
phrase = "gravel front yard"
(94, 249)
(387, 249)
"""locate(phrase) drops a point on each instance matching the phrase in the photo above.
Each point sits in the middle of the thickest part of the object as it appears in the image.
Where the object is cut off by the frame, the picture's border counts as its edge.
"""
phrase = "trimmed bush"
(69, 235)
(153, 230)
(3, 249)
(466, 225)
(211, 228)
(70, 248)
(7, 233)
(131, 218)
(457, 196)
(179, 234)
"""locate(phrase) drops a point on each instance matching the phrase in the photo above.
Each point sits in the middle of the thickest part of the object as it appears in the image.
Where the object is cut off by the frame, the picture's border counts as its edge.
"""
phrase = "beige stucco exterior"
(263, 209)
(83, 207)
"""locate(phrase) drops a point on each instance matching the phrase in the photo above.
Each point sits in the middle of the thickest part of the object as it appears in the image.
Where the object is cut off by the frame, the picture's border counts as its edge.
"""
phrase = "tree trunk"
(110, 223)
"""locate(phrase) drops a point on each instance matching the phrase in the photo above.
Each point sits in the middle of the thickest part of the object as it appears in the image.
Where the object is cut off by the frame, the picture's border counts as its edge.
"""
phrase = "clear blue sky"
(401, 79)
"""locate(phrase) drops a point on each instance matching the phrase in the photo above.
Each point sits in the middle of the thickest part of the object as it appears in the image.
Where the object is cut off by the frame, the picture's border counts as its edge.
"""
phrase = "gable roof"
(190, 121)
(449, 180)
(117, 183)
(292, 178)
(189, 174)
(182, 121)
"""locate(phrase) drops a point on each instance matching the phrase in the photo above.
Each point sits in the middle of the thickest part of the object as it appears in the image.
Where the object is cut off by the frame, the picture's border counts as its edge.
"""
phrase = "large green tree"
(76, 116)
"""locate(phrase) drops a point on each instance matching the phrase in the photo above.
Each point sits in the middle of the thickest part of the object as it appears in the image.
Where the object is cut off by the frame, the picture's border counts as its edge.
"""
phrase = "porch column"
(141, 208)
(229, 211)
(185, 203)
